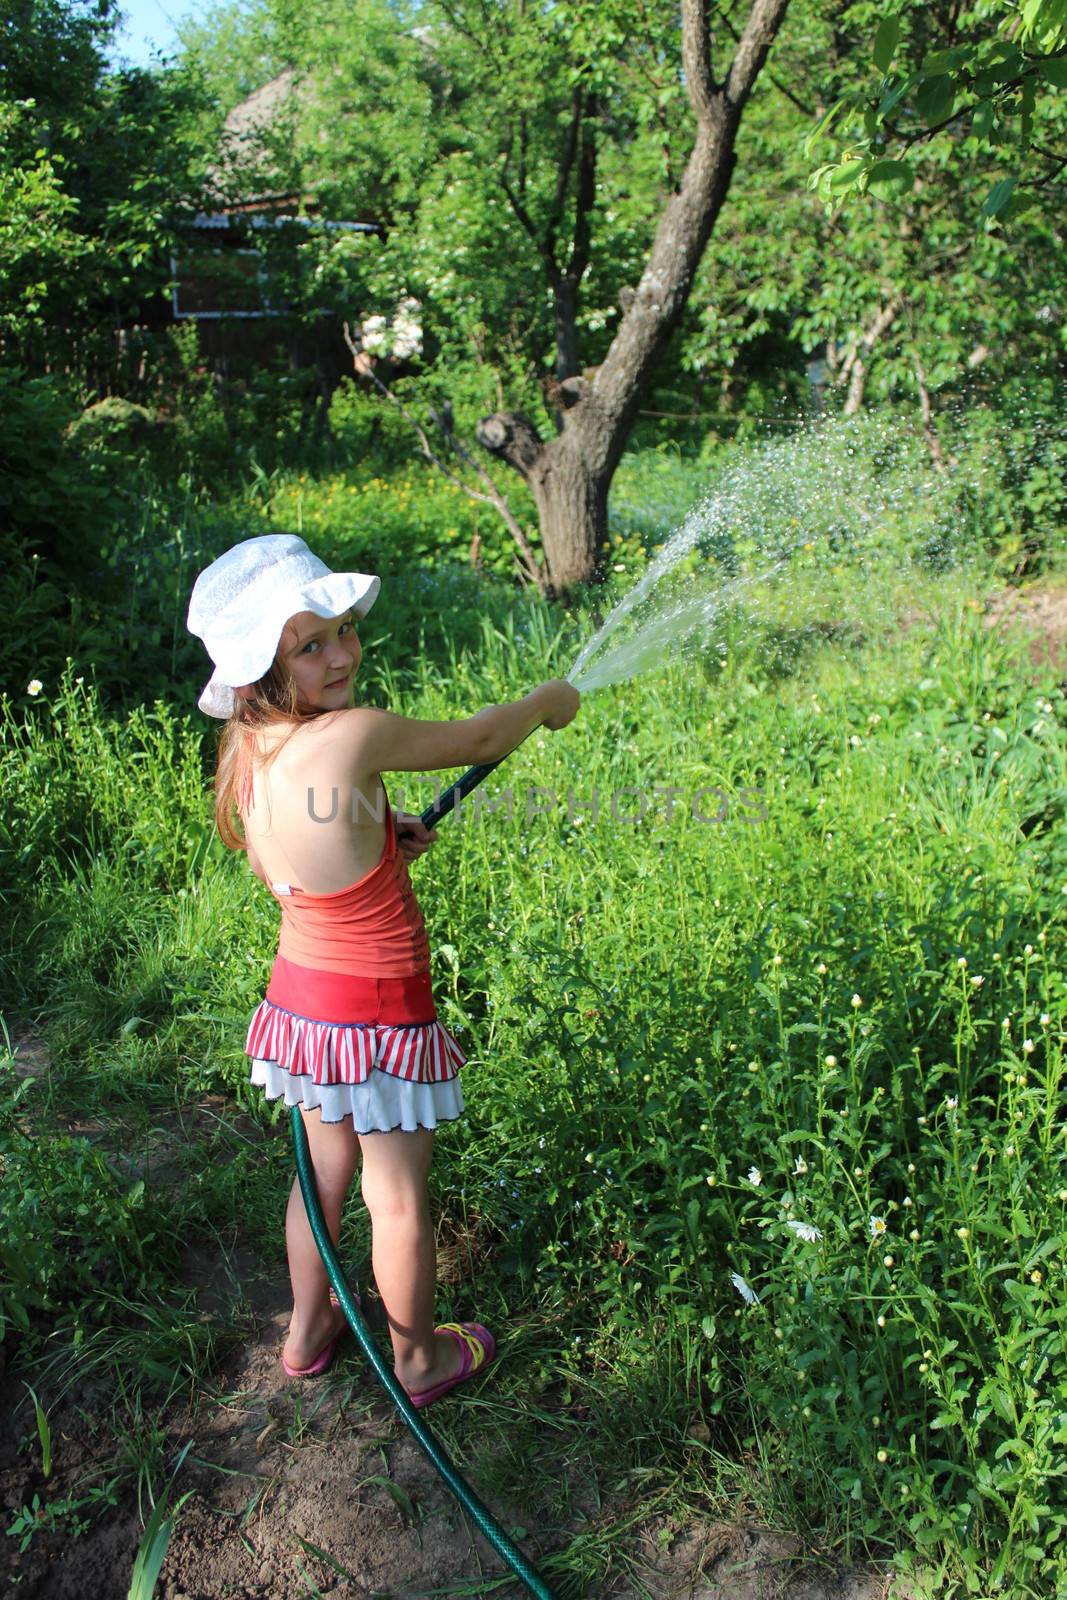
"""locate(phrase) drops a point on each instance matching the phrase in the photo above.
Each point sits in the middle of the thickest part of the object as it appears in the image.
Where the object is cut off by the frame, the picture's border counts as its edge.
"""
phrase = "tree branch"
(926, 411)
(490, 496)
(809, 111)
(546, 242)
(526, 221)
(696, 60)
(585, 196)
(563, 177)
(854, 367)
(686, 221)
(1059, 162)
(761, 25)
(641, 74)
(907, 140)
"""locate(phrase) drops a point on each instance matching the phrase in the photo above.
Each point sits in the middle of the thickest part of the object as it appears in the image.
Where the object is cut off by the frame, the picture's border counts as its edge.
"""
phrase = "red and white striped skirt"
(369, 1048)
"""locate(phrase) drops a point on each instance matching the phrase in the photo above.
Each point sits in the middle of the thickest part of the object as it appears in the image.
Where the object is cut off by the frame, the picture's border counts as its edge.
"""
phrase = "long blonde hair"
(273, 703)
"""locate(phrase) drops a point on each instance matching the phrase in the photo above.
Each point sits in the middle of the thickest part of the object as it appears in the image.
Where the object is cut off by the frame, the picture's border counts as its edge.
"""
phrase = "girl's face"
(322, 657)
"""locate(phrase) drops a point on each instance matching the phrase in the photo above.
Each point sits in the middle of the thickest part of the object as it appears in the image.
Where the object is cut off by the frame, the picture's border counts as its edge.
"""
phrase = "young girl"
(348, 1029)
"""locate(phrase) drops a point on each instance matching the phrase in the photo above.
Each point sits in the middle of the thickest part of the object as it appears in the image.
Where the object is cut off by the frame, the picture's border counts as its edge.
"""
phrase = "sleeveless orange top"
(373, 928)
(350, 986)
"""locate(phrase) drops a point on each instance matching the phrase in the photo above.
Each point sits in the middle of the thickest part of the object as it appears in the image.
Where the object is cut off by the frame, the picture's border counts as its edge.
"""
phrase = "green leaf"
(998, 1398)
(1041, 17)
(846, 175)
(893, 97)
(885, 42)
(998, 197)
(1051, 1246)
(44, 1433)
(890, 179)
(1009, 67)
(822, 126)
(153, 1549)
(982, 120)
(324, 1556)
(400, 1497)
(939, 62)
(935, 99)
(1055, 71)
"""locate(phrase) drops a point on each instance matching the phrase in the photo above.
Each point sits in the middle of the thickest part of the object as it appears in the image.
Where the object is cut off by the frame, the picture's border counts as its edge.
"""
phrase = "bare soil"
(314, 1486)
(1038, 612)
(321, 1492)
(1034, 613)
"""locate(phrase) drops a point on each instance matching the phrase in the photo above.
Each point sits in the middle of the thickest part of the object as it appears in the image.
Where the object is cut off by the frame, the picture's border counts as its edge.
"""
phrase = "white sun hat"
(241, 603)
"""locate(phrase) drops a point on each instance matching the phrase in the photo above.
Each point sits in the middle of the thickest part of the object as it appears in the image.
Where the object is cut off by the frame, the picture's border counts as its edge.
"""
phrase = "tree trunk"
(571, 474)
(572, 508)
(855, 366)
(927, 412)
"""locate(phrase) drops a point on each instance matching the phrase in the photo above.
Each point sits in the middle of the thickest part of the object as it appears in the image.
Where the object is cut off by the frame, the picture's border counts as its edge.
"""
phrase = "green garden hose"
(470, 1502)
(421, 1434)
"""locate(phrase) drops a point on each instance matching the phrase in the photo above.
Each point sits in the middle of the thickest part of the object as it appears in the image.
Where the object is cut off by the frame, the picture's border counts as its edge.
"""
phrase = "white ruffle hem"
(379, 1104)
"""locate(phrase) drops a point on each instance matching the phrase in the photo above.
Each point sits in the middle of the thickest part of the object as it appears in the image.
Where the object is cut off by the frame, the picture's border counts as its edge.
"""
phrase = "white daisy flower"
(755, 1177)
(34, 686)
(804, 1230)
(800, 1166)
(877, 1227)
(749, 1296)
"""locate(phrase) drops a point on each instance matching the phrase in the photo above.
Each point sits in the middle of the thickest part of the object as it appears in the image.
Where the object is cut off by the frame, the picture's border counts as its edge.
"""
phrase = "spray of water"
(680, 543)
(791, 532)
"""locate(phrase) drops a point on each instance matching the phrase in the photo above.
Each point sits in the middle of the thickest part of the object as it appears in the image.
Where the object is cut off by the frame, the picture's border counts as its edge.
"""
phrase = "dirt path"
(311, 1488)
(1039, 612)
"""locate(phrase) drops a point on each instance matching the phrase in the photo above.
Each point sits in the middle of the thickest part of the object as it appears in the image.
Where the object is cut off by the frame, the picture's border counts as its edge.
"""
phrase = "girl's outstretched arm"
(388, 743)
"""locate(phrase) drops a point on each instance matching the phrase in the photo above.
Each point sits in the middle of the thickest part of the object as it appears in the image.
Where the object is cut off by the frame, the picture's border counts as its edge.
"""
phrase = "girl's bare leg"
(395, 1169)
(334, 1148)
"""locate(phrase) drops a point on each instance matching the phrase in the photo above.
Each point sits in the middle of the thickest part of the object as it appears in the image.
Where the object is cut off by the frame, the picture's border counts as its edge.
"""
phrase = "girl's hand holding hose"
(563, 702)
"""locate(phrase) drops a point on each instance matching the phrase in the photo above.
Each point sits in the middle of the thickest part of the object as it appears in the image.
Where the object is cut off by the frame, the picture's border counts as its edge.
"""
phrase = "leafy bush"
(415, 520)
(1011, 456)
(68, 480)
(71, 1228)
(369, 430)
(48, 502)
(867, 483)
(75, 783)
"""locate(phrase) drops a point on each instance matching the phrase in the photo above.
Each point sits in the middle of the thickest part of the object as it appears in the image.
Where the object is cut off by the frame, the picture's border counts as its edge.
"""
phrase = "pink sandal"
(477, 1348)
(325, 1355)
(320, 1363)
(337, 1304)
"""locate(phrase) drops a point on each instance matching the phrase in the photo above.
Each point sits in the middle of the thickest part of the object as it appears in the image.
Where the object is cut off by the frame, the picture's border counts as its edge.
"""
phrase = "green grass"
(651, 1009)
